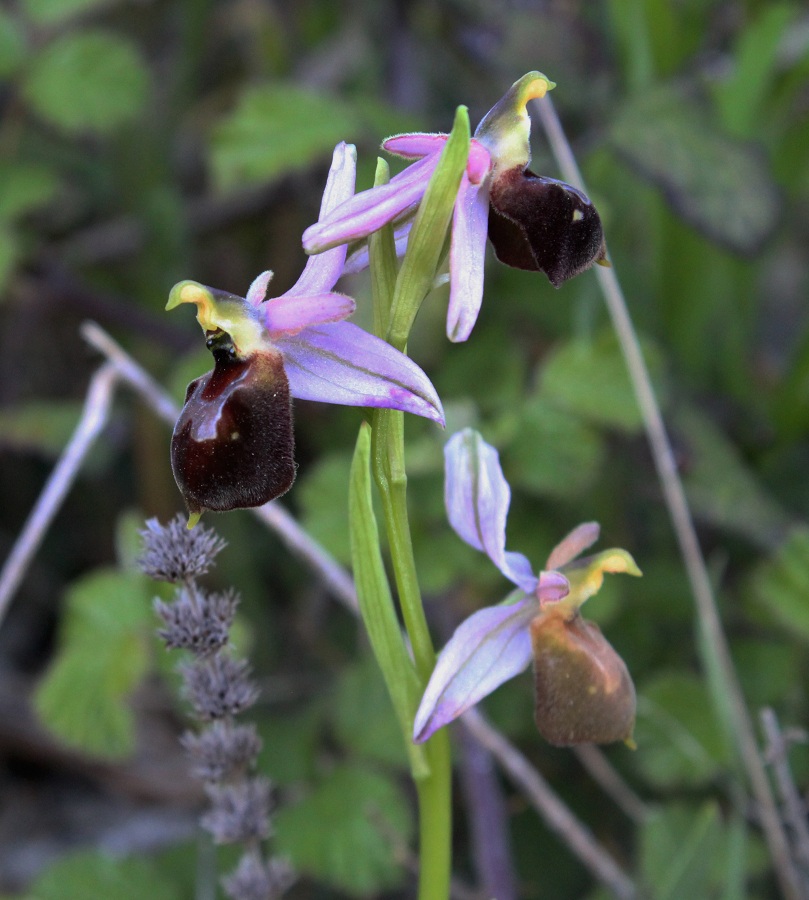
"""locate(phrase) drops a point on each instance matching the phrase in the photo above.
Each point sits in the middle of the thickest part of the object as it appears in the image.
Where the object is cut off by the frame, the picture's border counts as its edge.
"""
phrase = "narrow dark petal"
(233, 446)
(543, 225)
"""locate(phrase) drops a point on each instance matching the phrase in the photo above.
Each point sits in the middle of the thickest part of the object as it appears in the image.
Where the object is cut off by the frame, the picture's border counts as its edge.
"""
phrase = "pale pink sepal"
(574, 543)
(341, 363)
(470, 223)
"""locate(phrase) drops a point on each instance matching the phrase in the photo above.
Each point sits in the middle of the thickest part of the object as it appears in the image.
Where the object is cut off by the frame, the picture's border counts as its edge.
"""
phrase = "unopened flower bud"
(583, 690)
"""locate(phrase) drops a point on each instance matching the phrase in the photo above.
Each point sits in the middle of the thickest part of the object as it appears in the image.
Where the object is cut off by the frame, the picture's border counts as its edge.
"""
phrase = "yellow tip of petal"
(618, 562)
(533, 86)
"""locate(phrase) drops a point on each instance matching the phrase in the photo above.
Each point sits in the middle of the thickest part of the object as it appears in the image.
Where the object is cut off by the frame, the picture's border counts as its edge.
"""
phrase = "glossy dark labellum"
(543, 225)
(233, 444)
(584, 693)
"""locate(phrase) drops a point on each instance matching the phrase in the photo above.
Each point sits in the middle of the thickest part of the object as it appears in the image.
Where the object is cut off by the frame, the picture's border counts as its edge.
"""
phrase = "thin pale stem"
(93, 419)
(794, 805)
(716, 656)
(557, 816)
(610, 781)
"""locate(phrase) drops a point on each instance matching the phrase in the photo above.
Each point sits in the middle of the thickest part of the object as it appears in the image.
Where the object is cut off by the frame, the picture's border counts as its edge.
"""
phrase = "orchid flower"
(583, 690)
(233, 445)
(534, 222)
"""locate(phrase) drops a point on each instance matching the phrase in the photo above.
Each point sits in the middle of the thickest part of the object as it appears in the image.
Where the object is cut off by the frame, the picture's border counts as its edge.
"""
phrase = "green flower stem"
(435, 819)
(433, 786)
(397, 298)
(391, 479)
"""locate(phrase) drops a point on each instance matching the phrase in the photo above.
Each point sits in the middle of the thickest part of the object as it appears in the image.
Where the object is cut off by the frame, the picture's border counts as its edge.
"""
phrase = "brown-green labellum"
(233, 444)
(584, 693)
(543, 225)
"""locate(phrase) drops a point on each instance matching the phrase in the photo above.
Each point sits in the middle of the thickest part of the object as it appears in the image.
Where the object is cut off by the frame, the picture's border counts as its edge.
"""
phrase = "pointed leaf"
(425, 247)
(376, 602)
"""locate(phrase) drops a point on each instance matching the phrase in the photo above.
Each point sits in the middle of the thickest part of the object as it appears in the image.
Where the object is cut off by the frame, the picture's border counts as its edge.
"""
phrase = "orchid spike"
(533, 222)
(539, 621)
(233, 446)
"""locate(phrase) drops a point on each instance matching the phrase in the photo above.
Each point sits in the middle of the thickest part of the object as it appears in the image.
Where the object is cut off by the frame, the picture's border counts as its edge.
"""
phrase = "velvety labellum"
(584, 693)
(543, 225)
(233, 444)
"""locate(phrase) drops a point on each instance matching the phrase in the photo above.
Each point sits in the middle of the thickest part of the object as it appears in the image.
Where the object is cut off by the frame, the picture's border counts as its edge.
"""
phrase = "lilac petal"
(322, 272)
(341, 363)
(479, 162)
(257, 292)
(552, 587)
(360, 259)
(477, 498)
(414, 146)
(490, 647)
(470, 224)
(369, 210)
(582, 537)
(287, 315)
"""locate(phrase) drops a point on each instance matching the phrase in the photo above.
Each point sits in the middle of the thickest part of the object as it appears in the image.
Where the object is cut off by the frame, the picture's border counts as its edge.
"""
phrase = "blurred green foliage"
(144, 143)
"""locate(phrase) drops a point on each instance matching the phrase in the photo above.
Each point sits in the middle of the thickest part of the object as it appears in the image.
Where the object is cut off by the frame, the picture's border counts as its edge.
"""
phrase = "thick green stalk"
(434, 786)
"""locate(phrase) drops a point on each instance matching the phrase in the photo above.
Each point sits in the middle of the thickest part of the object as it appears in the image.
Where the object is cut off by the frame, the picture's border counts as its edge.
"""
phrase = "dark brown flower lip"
(544, 225)
(233, 444)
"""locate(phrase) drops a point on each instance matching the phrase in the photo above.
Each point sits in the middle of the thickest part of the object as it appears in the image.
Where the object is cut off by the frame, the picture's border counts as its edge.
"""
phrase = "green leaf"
(721, 186)
(52, 12)
(39, 426)
(346, 833)
(589, 378)
(92, 874)
(275, 129)
(104, 651)
(721, 489)
(680, 742)
(289, 754)
(678, 847)
(425, 246)
(554, 452)
(24, 186)
(741, 95)
(12, 45)
(89, 81)
(9, 254)
(376, 602)
(363, 718)
(782, 583)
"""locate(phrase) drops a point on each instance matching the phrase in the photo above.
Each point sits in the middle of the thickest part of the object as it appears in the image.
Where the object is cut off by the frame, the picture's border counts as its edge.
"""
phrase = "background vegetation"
(145, 142)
